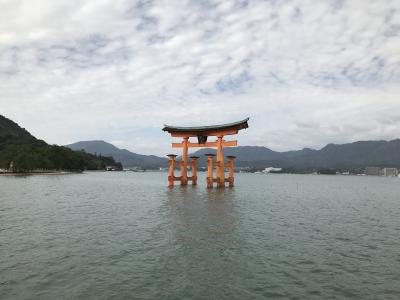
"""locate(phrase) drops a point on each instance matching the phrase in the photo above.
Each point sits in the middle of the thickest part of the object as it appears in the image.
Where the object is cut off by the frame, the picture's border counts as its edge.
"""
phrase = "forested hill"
(11, 133)
(22, 152)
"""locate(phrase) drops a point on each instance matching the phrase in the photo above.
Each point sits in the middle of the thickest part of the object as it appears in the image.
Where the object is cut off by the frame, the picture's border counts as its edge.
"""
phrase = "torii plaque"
(202, 133)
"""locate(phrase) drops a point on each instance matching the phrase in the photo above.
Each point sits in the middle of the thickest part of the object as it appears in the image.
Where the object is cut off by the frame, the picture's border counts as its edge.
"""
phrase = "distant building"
(390, 172)
(373, 171)
(113, 168)
(272, 170)
(11, 168)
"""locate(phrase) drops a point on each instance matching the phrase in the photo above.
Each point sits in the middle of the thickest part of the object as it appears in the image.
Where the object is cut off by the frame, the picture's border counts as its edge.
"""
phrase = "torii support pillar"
(231, 178)
(171, 176)
(210, 178)
(194, 169)
(184, 162)
(220, 163)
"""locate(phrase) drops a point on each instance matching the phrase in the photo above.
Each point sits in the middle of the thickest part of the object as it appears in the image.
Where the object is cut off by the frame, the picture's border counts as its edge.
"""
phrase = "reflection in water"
(199, 216)
(204, 223)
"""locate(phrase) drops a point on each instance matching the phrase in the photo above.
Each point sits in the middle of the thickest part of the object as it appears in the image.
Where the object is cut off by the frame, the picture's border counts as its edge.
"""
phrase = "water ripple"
(127, 236)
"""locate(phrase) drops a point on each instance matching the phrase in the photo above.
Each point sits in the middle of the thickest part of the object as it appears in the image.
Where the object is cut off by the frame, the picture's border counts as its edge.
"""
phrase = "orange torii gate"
(202, 133)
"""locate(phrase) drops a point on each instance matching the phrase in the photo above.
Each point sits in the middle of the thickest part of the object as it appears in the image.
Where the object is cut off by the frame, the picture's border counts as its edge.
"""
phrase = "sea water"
(126, 235)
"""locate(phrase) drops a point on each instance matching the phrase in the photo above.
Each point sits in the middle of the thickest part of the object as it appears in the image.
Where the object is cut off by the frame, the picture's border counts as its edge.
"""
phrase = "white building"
(272, 170)
(373, 171)
(390, 172)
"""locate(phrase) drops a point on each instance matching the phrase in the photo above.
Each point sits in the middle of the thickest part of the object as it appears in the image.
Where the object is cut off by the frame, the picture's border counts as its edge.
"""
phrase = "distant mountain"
(347, 156)
(255, 153)
(357, 155)
(22, 152)
(127, 158)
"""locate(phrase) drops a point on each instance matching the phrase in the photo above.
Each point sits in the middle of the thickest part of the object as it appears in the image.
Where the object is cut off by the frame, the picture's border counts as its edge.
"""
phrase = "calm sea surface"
(127, 236)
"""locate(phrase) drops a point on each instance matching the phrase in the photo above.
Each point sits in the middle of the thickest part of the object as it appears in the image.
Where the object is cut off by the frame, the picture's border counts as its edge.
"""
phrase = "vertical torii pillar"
(194, 169)
(210, 178)
(184, 163)
(220, 163)
(231, 178)
(171, 176)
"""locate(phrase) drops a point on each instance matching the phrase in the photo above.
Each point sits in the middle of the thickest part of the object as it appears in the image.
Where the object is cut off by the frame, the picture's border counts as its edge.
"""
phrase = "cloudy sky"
(307, 73)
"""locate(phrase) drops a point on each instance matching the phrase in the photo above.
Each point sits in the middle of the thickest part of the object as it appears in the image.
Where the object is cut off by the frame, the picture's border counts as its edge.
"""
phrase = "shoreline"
(38, 173)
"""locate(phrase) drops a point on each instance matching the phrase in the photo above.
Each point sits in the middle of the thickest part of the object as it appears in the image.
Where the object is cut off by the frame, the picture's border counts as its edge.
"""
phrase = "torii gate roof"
(232, 128)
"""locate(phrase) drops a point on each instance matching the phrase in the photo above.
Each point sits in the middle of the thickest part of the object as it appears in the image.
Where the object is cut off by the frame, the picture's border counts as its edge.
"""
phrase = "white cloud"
(307, 73)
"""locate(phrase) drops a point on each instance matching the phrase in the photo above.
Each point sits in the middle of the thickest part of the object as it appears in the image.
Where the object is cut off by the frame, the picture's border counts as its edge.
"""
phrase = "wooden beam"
(211, 132)
(207, 144)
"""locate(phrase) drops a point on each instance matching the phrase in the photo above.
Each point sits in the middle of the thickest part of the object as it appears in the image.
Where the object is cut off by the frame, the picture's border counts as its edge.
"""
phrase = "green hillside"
(22, 152)
(11, 134)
